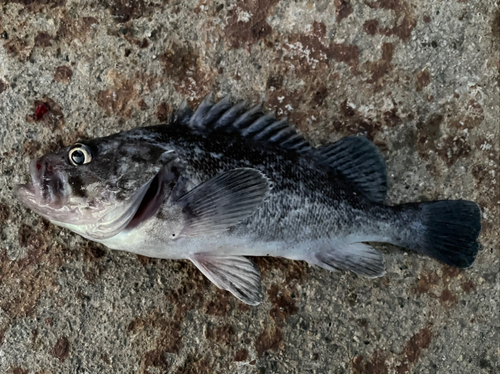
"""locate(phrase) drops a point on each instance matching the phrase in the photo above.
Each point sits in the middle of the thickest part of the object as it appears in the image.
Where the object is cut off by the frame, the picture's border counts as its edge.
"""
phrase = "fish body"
(306, 207)
(227, 182)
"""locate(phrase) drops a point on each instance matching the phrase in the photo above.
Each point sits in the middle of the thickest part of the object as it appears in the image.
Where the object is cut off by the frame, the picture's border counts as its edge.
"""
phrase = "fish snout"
(48, 181)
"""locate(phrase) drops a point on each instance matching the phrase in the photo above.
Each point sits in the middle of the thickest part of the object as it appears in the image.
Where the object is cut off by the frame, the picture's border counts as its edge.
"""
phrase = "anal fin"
(359, 258)
(236, 274)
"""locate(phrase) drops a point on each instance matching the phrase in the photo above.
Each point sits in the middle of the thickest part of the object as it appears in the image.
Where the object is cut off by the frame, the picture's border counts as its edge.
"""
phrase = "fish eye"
(79, 154)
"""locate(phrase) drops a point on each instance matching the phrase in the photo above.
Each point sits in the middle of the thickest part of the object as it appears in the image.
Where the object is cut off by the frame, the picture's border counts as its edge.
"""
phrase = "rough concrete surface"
(418, 77)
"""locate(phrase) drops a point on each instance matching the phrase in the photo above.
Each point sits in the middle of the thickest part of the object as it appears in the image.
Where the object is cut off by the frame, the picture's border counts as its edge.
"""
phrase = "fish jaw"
(49, 192)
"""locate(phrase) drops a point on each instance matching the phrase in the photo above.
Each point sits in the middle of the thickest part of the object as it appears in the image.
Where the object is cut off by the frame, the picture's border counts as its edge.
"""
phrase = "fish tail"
(445, 230)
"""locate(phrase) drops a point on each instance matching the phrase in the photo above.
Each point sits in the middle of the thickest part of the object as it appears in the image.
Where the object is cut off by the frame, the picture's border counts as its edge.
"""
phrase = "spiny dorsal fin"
(183, 114)
(198, 117)
(253, 124)
(217, 110)
(359, 161)
(355, 158)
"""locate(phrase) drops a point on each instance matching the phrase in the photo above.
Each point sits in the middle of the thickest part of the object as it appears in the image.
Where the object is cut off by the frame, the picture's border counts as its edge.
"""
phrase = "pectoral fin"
(236, 274)
(223, 201)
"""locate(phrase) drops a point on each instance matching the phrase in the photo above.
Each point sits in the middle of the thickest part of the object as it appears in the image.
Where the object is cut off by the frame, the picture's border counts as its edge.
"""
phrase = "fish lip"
(47, 188)
(36, 178)
(25, 192)
(30, 193)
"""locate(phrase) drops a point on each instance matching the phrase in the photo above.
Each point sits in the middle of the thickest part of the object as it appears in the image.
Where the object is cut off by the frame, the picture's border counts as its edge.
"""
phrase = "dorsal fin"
(359, 161)
(253, 124)
(217, 110)
(197, 119)
(226, 119)
(354, 158)
(183, 114)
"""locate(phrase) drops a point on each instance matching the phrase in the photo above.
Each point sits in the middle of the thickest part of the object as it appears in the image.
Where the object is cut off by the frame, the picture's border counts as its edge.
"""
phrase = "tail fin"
(447, 230)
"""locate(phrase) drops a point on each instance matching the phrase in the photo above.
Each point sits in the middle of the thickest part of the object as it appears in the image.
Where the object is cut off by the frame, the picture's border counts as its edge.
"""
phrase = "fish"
(229, 181)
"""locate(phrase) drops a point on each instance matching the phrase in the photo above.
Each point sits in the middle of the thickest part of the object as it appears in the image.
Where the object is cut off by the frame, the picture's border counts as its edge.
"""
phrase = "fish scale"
(295, 182)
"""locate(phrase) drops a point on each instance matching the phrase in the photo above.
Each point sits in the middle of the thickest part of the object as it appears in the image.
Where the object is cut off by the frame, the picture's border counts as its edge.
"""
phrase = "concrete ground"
(418, 77)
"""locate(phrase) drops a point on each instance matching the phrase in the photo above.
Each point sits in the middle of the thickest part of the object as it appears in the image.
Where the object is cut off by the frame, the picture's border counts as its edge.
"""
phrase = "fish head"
(96, 187)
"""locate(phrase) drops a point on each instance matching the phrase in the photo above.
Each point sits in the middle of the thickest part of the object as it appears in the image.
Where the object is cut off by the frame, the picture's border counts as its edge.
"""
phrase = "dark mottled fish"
(227, 182)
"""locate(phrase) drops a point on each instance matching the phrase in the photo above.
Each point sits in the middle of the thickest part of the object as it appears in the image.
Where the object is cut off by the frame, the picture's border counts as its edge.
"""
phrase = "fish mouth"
(47, 191)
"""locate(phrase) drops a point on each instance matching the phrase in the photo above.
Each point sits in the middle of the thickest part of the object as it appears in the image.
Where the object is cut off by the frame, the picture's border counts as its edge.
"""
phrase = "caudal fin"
(446, 230)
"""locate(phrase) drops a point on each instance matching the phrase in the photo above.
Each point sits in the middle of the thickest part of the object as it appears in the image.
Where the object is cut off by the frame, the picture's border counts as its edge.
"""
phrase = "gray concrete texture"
(418, 77)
